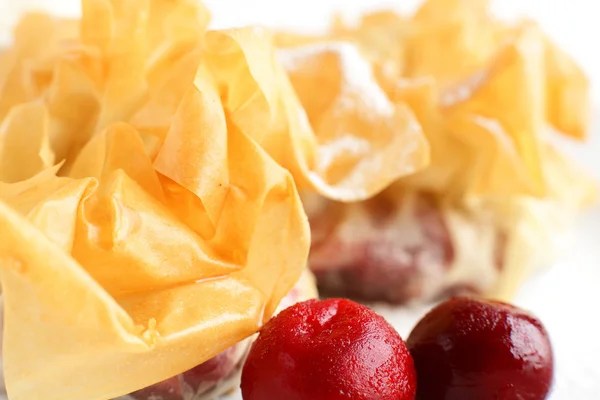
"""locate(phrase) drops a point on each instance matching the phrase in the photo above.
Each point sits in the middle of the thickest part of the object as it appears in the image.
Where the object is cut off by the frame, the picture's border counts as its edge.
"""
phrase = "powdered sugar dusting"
(344, 145)
(464, 89)
(358, 80)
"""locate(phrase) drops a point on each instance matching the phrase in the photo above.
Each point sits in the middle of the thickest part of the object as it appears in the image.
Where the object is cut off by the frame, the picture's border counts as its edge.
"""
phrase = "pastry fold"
(148, 203)
(497, 193)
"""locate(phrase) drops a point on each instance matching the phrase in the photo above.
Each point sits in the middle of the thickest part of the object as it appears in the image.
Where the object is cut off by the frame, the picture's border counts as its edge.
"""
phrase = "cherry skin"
(169, 389)
(469, 349)
(328, 350)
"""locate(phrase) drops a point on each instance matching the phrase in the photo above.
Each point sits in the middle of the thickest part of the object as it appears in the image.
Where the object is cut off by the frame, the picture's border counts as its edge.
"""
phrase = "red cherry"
(468, 349)
(199, 379)
(328, 350)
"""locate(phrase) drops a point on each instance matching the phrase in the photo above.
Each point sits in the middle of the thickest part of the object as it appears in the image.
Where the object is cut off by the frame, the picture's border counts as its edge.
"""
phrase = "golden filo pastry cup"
(488, 95)
(149, 217)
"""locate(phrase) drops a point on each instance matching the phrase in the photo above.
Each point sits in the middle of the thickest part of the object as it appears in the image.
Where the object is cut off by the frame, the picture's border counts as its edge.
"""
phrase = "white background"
(566, 297)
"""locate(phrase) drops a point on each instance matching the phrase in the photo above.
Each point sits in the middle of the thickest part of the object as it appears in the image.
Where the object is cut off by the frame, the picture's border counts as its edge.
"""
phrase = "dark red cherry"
(328, 350)
(469, 349)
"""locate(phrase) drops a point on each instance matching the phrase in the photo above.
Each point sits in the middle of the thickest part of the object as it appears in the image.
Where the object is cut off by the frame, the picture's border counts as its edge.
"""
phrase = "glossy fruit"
(197, 380)
(395, 247)
(468, 349)
(396, 251)
(328, 350)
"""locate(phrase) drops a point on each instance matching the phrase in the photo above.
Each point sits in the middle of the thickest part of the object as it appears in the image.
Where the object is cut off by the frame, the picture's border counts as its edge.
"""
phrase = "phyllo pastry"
(146, 231)
(150, 218)
(497, 196)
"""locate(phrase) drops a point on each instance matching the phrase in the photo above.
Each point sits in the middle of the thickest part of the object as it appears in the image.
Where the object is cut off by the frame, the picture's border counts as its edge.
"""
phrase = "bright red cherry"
(328, 350)
(469, 349)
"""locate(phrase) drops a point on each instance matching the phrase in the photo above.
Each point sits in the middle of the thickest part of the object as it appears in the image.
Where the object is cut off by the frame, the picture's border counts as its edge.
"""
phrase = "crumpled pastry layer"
(484, 91)
(147, 223)
(488, 95)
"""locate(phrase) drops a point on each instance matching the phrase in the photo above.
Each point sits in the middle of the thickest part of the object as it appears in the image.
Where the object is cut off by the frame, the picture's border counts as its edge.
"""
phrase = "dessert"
(497, 193)
(149, 176)
(327, 350)
(151, 224)
(477, 349)
(137, 216)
